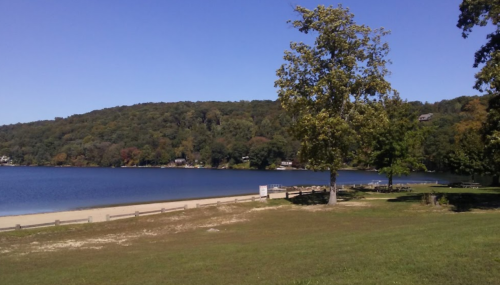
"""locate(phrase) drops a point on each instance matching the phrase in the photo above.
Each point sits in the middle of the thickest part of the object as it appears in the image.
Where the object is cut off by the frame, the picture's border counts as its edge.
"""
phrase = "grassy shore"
(361, 241)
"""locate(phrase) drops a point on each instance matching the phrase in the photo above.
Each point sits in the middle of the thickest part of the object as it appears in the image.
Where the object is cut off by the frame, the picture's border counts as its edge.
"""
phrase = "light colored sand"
(99, 214)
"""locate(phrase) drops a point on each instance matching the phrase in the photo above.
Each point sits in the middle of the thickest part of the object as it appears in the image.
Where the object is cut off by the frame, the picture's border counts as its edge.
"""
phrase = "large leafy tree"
(467, 157)
(397, 147)
(467, 154)
(483, 13)
(219, 153)
(322, 86)
(491, 137)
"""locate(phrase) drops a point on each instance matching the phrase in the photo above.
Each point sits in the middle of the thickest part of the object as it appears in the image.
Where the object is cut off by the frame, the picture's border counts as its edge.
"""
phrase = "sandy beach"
(99, 214)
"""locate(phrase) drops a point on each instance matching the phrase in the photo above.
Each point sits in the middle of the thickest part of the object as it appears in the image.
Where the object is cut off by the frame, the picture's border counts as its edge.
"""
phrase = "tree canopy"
(322, 86)
(397, 143)
(482, 13)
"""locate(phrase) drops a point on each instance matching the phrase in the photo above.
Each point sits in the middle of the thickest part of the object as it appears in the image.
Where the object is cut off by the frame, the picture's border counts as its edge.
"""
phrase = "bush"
(443, 200)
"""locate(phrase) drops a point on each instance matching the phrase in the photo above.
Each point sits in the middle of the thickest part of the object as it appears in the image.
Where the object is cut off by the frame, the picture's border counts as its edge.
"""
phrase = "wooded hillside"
(209, 133)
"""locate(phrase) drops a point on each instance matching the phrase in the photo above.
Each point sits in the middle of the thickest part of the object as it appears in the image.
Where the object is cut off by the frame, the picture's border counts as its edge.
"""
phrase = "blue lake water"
(25, 190)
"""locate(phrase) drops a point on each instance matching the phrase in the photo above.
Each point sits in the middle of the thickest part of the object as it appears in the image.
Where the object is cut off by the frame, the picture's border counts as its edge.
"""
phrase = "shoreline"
(181, 167)
(99, 214)
(128, 204)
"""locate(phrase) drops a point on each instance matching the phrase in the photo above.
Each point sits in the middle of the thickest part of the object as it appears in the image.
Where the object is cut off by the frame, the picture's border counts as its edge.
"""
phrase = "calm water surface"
(25, 190)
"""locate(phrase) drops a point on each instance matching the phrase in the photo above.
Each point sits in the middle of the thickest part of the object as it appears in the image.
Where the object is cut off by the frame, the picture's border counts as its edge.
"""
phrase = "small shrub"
(443, 200)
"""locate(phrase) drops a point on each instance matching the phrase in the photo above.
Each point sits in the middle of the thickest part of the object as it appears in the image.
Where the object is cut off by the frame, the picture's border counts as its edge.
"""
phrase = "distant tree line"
(209, 133)
(220, 133)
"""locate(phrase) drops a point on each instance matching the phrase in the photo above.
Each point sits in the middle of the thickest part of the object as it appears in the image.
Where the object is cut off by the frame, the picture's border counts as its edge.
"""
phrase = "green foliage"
(467, 158)
(397, 144)
(481, 13)
(158, 132)
(443, 200)
(238, 150)
(219, 153)
(451, 119)
(491, 136)
(259, 156)
(150, 134)
(323, 86)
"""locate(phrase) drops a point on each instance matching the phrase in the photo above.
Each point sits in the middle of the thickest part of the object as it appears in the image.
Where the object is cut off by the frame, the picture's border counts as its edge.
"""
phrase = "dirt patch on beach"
(149, 228)
(158, 226)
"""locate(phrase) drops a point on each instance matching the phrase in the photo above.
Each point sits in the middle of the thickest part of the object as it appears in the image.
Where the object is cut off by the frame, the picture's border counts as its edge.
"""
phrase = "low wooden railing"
(300, 193)
(54, 223)
(134, 214)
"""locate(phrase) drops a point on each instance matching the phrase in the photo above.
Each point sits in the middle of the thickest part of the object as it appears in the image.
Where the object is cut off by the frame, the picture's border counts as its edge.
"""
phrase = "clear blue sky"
(59, 58)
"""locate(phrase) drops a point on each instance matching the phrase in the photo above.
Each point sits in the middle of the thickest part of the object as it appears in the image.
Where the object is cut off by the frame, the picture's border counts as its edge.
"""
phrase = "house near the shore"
(180, 161)
(245, 158)
(425, 117)
(4, 159)
(286, 163)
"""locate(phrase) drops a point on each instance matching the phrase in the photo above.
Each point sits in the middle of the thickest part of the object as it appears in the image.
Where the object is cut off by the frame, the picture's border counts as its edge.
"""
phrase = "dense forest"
(215, 134)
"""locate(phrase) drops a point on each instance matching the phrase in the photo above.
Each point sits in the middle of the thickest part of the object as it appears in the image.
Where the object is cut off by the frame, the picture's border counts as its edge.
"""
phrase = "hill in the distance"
(200, 132)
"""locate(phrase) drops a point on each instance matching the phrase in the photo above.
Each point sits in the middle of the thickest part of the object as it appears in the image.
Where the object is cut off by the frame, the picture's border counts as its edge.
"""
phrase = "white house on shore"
(286, 163)
(180, 161)
(4, 159)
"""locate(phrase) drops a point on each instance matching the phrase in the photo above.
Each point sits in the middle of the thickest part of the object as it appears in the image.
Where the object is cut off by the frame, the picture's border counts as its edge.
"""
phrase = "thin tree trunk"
(496, 180)
(333, 188)
(389, 185)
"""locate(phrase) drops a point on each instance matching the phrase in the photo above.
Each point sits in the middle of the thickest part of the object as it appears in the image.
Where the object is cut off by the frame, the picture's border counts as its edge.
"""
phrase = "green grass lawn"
(361, 241)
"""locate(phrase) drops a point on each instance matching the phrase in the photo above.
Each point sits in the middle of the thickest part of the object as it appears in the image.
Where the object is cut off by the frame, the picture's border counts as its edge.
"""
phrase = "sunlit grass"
(359, 242)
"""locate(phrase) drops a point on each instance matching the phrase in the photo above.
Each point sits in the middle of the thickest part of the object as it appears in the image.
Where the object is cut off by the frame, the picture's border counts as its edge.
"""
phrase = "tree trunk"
(389, 185)
(333, 188)
(495, 180)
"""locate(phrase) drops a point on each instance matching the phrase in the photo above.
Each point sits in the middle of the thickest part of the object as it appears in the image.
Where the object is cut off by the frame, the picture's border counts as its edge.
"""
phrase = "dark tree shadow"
(322, 198)
(460, 202)
(407, 198)
(310, 199)
(463, 202)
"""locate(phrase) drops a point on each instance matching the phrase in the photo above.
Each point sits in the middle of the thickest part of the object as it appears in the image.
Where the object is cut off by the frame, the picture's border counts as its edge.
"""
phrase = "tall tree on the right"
(397, 146)
(483, 13)
(491, 137)
(467, 156)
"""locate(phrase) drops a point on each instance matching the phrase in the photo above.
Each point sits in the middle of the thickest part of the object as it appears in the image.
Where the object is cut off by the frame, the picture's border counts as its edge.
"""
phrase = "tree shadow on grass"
(460, 202)
(464, 202)
(407, 198)
(323, 197)
(310, 199)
